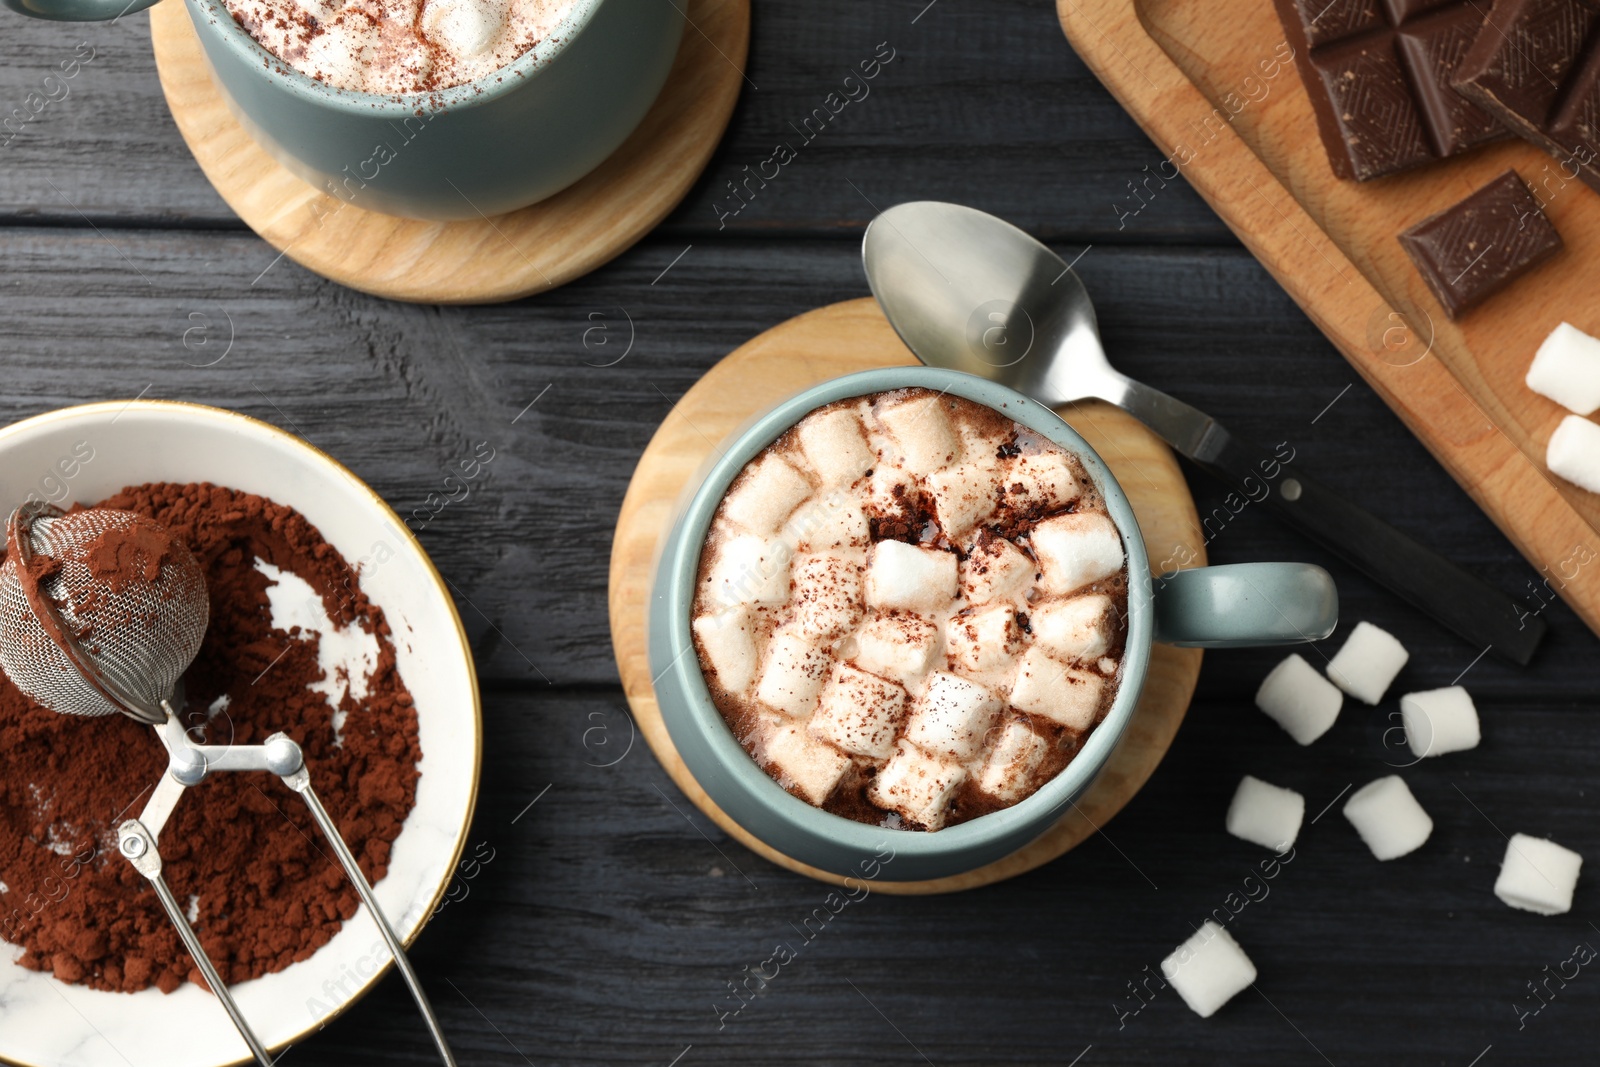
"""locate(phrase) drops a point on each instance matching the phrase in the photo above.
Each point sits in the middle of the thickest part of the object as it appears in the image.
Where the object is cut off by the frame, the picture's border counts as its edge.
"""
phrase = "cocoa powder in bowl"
(240, 849)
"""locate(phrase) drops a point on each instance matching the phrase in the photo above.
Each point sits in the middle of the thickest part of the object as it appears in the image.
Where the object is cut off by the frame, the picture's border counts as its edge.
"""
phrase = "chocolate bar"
(1471, 250)
(1535, 65)
(1380, 75)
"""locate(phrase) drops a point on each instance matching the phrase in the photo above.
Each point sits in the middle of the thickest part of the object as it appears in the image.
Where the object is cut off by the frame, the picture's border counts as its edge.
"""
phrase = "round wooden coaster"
(482, 260)
(824, 344)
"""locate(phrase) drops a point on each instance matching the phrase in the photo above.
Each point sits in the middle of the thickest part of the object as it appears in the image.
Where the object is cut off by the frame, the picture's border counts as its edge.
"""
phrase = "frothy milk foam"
(911, 609)
(398, 46)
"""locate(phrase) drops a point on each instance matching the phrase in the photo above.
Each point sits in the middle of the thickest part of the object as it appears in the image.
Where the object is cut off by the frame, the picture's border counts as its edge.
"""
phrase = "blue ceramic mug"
(1215, 607)
(507, 140)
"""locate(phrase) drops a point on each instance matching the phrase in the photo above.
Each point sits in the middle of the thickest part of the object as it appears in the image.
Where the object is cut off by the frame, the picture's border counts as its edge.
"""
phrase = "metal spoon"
(971, 292)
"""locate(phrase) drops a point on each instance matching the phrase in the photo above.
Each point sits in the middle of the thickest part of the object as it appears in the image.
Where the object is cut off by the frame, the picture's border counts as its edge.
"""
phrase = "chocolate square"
(1381, 80)
(1372, 106)
(1471, 250)
(1432, 48)
(1402, 11)
(1534, 67)
(1576, 125)
(1523, 54)
(1334, 20)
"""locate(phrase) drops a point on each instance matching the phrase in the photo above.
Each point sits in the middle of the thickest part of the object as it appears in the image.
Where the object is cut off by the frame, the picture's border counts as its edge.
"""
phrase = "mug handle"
(78, 10)
(1240, 605)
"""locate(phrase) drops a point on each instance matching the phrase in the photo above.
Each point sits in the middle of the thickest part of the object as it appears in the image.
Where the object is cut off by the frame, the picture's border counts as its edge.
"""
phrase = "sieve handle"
(138, 845)
(190, 765)
(300, 782)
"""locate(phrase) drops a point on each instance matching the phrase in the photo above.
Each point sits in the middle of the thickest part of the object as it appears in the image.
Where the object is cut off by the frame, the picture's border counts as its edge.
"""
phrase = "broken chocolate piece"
(1371, 106)
(1432, 47)
(1380, 80)
(1576, 123)
(1472, 250)
(1336, 21)
(1535, 65)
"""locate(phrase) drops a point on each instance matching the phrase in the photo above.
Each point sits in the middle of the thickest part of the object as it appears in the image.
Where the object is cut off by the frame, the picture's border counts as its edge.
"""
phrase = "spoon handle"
(1457, 599)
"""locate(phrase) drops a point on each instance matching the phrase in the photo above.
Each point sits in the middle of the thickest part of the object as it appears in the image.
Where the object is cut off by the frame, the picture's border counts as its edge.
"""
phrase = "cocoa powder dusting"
(136, 551)
(240, 849)
(42, 567)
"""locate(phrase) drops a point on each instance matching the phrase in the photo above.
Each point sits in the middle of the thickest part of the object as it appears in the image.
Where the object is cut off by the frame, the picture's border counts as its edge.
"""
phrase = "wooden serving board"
(474, 261)
(1209, 84)
(826, 343)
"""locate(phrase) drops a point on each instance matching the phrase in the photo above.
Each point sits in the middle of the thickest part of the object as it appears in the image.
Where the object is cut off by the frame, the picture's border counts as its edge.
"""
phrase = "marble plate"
(47, 1023)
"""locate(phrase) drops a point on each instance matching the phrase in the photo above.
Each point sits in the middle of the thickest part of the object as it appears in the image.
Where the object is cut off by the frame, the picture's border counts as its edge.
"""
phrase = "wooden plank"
(612, 916)
(1331, 244)
(399, 391)
(988, 106)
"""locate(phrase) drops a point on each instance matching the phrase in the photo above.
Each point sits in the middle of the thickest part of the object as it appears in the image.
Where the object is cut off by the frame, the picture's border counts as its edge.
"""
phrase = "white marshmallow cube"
(908, 577)
(765, 495)
(1538, 875)
(963, 497)
(1388, 818)
(835, 445)
(1439, 721)
(1567, 369)
(953, 716)
(984, 441)
(750, 570)
(826, 588)
(1039, 483)
(1299, 699)
(996, 569)
(859, 713)
(804, 763)
(1208, 970)
(1074, 630)
(1574, 453)
(1008, 772)
(1367, 662)
(1075, 550)
(923, 432)
(1046, 686)
(795, 670)
(984, 640)
(338, 51)
(828, 520)
(901, 647)
(1266, 814)
(728, 639)
(465, 27)
(917, 785)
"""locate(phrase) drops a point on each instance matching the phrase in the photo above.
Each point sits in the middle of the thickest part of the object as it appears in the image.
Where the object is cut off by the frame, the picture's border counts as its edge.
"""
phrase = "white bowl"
(47, 1022)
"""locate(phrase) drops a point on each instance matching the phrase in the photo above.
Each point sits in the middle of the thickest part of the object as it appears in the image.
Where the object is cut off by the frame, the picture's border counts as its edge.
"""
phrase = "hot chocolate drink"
(398, 46)
(911, 609)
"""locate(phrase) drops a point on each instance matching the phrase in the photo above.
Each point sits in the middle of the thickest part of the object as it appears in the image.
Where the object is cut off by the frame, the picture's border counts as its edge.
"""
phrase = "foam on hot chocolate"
(398, 46)
(911, 609)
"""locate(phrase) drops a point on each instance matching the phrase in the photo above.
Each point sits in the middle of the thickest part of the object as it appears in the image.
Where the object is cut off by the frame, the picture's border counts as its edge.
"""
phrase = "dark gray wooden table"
(609, 924)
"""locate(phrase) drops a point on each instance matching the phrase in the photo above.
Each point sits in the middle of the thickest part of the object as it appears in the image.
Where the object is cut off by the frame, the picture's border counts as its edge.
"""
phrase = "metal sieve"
(84, 635)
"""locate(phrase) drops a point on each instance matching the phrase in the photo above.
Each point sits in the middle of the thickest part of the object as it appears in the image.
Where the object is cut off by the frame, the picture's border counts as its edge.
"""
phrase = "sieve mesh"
(139, 637)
